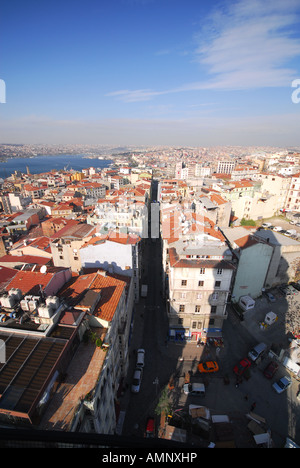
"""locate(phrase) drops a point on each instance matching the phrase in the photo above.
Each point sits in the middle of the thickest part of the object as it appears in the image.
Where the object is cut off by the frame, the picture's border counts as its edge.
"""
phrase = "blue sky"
(150, 72)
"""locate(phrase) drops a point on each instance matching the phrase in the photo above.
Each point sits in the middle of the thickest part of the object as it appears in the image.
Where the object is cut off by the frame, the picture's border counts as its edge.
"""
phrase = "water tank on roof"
(16, 292)
(33, 303)
(24, 304)
(45, 311)
(7, 301)
(52, 301)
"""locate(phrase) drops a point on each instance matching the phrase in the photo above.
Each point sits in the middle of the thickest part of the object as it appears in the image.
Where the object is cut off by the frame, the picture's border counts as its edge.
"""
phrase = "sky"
(150, 72)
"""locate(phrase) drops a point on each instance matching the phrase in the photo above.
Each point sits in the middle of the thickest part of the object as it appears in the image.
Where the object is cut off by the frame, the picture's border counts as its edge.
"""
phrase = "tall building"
(225, 167)
(197, 274)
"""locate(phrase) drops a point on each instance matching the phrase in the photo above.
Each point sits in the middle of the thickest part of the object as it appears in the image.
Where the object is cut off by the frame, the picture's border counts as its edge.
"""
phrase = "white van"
(257, 351)
(246, 302)
(194, 389)
(140, 360)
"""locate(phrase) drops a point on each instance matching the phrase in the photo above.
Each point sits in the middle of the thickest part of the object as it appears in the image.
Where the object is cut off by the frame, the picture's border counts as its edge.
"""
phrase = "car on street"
(150, 428)
(208, 366)
(140, 360)
(270, 297)
(194, 389)
(282, 384)
(137, 380)
(240, 368)
(270, 370)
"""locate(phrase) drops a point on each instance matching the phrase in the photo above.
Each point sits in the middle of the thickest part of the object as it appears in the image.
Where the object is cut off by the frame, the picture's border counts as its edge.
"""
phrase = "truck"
(144, 290)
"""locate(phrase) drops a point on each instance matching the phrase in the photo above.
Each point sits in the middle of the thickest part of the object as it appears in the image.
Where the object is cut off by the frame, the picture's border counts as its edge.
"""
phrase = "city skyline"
(149, 72)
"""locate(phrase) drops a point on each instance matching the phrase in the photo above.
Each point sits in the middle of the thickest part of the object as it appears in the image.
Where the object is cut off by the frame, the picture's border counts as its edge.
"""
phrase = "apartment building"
(197, 276)
(125, 215)
(116, 253)
(198, 290)
(13, 202)
(293, 195)
(68, 354)
(226, 166)
(91, 402)
(67, 242)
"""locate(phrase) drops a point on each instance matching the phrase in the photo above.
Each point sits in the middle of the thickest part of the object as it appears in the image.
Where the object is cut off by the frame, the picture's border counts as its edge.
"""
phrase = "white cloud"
(250, 44)
(247, 45)
(127, 95)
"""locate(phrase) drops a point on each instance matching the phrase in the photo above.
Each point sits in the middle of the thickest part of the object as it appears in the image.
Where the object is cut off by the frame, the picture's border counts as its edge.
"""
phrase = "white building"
(293, 196)
(115, 253)
(197, 275)
(226, 167)
(124, 215)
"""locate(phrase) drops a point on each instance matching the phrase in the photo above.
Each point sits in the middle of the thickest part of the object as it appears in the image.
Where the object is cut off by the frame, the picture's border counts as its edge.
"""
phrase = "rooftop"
(82, 376)
(29, 364)
(83, 292)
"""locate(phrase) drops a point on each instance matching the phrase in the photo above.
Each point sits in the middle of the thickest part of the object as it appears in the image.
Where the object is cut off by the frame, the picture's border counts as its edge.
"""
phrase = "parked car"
(194, 389)
(277, 228)
(140, 360)
(208, 366)
(282, 384)
(257, 351)
(270, 370)
(266, 225)
(137, 380)
(296, 286)
(150, 428)
(240, 368)
(270, 297)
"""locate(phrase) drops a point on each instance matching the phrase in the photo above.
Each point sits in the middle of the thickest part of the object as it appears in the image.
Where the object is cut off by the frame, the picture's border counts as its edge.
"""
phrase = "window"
(181, 308)
(199, 296)
(217, 284)
(220, 270)
(183, 295)
(202, 271)
(215, 296)
(213, 309)
(197, 309)
(200, 283)
(183, 282)
(197, 325)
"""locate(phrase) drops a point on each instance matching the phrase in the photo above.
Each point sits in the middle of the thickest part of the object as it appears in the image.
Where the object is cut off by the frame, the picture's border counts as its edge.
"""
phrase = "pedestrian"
(253, 406)
(246, 397)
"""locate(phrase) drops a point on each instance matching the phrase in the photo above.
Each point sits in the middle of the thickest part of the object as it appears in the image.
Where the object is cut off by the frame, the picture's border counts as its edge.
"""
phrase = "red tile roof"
(111, 290)
(30, 281)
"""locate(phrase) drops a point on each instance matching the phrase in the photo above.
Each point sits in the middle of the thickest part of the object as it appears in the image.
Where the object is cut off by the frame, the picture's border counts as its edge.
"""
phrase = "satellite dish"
(43, 269)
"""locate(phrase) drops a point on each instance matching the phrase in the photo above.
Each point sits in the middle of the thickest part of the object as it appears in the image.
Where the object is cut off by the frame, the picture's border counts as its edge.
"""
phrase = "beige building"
(198, 292)
(65, 246)
(293, 196)
(197, 275)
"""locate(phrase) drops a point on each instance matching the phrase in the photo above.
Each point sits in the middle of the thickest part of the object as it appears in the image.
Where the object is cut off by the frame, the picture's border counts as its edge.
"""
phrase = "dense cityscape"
(162, 251)
(150, 227)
